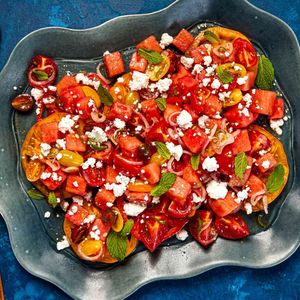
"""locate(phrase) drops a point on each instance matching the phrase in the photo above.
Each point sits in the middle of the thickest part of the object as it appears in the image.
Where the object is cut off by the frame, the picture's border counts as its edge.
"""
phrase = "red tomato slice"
(176, 210)
(202, 229)
(158, 132)
(226, 161)
(232, 227)
(95, 177)
(258, 141)
(175, 226)
(244, 53)
(127, 165)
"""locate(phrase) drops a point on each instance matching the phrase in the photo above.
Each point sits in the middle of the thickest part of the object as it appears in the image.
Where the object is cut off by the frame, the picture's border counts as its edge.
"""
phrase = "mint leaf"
(105, 96)
(52, 200)
(163, 150)
(127, 228)
(195, 159)
(265, 74)
(276, 179)
(35, 194)
(153, 57)
(240, 164)
(211, 37)
(161, 103)
(41, 75)
(116, 245)
(166, 181)
(224, 75)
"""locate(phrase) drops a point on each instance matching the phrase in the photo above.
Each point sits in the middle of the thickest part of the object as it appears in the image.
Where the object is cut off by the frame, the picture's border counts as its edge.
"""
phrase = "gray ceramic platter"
(33, 238)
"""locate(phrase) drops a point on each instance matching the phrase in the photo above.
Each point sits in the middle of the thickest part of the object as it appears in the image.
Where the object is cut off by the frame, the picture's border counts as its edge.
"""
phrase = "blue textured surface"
(17, 18)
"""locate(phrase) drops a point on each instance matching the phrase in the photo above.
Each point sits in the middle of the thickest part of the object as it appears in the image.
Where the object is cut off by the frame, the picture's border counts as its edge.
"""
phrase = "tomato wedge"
(244, 53)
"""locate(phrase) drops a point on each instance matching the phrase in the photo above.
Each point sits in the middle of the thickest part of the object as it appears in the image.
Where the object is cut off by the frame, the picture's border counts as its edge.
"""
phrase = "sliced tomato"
(152, 230)
(241, 142)
(49, 132)
(95, 177)
(127, 165)
(173, 60)
(129, 145)
(151, 173)
(162, 206)
(104, 198)
(176, 210)
(75, 143)
(150, 110)
(55, 180)
(258, 141)
(183, 40)
(202, 228)
(278, 109)
(42, 71)
(138, 63)
(175, 225)
(114, 64)
(263, 102)
(76, 185)
(226, 161)
(120, 111)
(238, 120)
(76, 214)
(158, 132)
(232, 227)
(195, 139)
(150, 43)
(179, 191)
(244, 53)
(224, 207)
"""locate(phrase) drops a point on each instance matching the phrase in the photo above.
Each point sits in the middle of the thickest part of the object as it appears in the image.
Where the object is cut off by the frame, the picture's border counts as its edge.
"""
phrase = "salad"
(171, 147)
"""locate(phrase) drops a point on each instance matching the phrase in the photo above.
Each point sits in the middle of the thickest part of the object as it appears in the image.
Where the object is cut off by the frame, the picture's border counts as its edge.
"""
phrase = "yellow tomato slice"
(119, 223)
(118, 92)
(34, 170)
(157, 158)
(235, 68)
(70, 159)
(90, 247)
(90, 92)
(235, 97)
(132, 98)
(158, 71)
(140, 187)
(279, 154)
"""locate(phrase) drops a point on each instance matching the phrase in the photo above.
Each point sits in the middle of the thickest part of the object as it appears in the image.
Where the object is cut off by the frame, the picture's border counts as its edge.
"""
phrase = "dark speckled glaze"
(35, 250)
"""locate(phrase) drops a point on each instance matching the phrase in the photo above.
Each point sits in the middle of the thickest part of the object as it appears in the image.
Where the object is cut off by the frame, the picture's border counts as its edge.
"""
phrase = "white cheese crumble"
(217, 190)
(163, 85)
(120, 187)
(205, 81)
(133, 209)
(242, 80)
(36, 93)
(216, 84)
(155, 200)
(139, 81)
(62, 244)
(165, 40)
(97, 135)
(118, 123)
(90, 162)
(75, 184)
(207, 60)
(197, 69)
(175, 151)
(196, 198)
(248, 208)
(187, 61)
(61, 143)
(45, 149)
(47, 214)
(210, 164)
(182, 235)
(184, 119)
(266, 164)
(202, 120)
(241, 195)
(82, 78)
(66, 123)
(276, 124)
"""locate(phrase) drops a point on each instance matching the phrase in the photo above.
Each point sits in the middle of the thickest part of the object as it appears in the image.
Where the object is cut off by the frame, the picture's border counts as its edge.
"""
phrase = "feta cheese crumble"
(202, 120)
(187, 61)
(66, 123)
(210, 164)
(241, 195)
(184, 119)
(217, 190)
(163, 85)
(266, 164)
(97, 135)
(139, 81)
(175, 151)
(182, 235)
(62, 244)
(165, 40)
(276, 124)
(133, 209)
(248, 208)
(118, 123)
(47, 214)
(242, 80)
(120, 187)
(45, 149)
(197, 69)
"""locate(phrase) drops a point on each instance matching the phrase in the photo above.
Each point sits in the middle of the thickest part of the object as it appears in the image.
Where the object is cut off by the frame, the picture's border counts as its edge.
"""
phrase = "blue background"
(18, 18)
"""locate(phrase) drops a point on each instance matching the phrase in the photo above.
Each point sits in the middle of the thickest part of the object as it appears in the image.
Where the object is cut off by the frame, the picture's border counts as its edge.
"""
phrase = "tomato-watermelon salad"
(169, 148)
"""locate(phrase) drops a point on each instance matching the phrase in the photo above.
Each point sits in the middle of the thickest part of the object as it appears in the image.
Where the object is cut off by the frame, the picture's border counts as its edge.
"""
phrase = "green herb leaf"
(224, 75)
(240, 164)
(157, 219)
(195, 159)
(276, 179)
(163, 150)
(265, 74)
(211, 37)
(52, 200)
(153, 57)
(95, 146)
(105, 96)
(166, 181)
(161, 103)
(127, 228)
(116, 245)
(35, 194)
(41, 75)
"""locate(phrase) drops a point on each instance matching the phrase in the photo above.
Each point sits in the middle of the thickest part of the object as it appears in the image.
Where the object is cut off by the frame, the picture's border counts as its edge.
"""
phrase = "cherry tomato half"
(244, 53)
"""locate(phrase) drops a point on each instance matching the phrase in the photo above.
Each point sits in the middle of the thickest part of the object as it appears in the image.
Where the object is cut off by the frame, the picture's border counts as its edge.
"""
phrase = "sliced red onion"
(265, 204)
(143, 118)
(70, 169)
(257, 197)
(98, 71)
(53, 164)
(42, 83)
(169, 119)
(98, 117)
(170, 167)
(89, 258)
